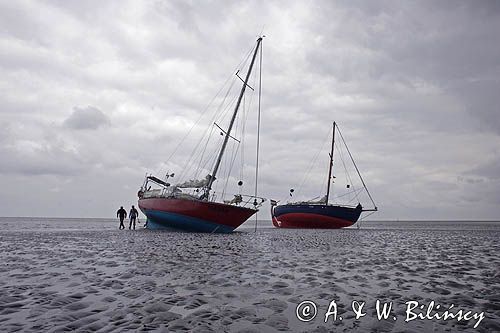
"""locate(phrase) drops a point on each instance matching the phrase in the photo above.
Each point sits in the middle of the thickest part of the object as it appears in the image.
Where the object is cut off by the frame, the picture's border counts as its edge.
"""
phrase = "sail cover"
(195, 183)
(320, 201)
(310, 202)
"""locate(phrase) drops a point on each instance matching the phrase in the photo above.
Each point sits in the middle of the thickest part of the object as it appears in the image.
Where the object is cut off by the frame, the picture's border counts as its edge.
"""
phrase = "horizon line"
(378, 220)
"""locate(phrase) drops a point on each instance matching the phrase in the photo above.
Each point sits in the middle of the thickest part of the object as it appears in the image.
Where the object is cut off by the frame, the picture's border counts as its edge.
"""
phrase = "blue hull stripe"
(165, 220)
(340, 212)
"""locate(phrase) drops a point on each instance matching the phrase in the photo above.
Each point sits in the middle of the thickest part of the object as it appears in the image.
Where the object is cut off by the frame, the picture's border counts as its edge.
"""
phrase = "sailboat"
(320, 214)
(174, 207)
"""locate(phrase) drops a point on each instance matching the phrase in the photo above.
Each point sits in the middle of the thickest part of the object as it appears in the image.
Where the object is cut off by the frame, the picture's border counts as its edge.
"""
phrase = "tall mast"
(242, 92)
(331, 165)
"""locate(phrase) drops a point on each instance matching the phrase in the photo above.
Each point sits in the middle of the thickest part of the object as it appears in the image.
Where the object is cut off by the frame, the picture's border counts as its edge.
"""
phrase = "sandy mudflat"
(101, 279)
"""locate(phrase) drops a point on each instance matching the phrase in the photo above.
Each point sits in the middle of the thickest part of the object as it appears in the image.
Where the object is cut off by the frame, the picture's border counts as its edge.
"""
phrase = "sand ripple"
(114, 281)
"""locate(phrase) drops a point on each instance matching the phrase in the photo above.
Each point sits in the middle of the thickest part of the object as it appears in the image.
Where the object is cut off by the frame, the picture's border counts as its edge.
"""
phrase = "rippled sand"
(114, 281)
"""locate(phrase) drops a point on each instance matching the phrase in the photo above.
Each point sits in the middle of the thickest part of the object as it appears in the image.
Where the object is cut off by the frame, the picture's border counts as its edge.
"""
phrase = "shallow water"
(85, 275)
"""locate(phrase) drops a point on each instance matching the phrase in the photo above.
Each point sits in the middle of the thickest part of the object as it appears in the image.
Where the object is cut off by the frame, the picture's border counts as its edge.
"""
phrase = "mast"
(228, 132)
(331, 165)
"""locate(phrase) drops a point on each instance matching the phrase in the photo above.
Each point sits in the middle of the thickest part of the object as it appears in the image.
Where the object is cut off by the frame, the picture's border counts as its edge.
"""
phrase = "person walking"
(133, 216)
(122, 214)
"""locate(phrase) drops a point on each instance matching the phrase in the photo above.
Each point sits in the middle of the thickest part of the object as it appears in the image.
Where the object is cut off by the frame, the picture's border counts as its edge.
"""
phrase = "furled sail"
(195, 183)
(320, 201)
(310, 202)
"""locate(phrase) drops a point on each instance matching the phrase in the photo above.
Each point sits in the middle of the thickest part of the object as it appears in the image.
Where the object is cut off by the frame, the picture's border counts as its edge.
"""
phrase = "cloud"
(412, 85)
(42, 157)
(89, 118)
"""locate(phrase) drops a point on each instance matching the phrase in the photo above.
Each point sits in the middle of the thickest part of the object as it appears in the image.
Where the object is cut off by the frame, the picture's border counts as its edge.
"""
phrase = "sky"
(95, 94)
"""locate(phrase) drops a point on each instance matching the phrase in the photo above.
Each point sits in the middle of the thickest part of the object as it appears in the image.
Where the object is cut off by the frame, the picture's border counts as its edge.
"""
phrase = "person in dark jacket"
(122, 214)
(133, 216)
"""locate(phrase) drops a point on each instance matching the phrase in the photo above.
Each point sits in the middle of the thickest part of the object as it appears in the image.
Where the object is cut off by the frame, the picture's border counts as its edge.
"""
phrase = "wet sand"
(106, 280)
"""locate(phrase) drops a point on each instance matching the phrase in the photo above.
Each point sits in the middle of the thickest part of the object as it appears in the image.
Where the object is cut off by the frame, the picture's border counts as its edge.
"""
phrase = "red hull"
(194, 212)
(310, 221)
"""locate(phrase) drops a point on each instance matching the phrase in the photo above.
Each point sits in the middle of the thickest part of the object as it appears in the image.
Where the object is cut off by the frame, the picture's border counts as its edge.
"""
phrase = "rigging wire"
(357, 170)
(208, 187)
(234, 154)
(349, 193)
(244, 60)
(246, 113)
(364, 217)
(313, 162)
(198, 170)
(242, 117)
(227, 108)
(195, 149)
(213, 158)
(218, 115)
(228, 175)
(242, 150)
(348, 175)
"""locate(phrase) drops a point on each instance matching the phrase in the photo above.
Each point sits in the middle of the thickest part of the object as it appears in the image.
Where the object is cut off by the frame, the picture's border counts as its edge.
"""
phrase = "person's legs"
(121, 224)
(134, 223)
(130, 224)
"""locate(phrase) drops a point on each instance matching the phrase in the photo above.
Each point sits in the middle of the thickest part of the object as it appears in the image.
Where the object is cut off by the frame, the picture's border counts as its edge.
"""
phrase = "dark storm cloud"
(450, 47)
(86, 118)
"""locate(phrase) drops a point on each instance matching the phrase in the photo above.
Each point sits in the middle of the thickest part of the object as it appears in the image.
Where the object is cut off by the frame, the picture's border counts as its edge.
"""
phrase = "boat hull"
(315, 216)
(193, 215)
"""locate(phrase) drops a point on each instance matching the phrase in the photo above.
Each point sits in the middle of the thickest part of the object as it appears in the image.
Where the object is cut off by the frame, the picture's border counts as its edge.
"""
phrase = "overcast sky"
(94, 94)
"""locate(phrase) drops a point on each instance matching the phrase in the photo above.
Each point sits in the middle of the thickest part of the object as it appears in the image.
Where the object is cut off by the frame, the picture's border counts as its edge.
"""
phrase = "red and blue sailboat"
(320, 214)
(172, 207)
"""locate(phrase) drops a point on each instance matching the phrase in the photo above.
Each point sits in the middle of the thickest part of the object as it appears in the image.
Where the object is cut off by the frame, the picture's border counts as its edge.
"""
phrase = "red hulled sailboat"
(193, 205)
(320, 214)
